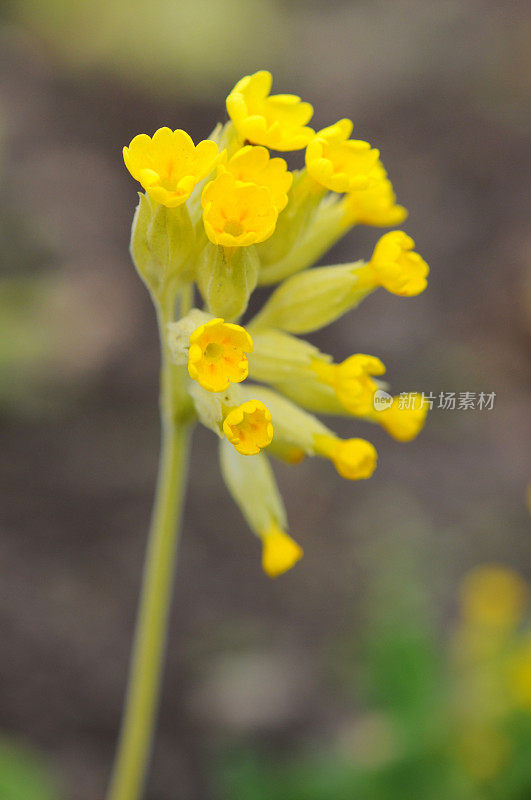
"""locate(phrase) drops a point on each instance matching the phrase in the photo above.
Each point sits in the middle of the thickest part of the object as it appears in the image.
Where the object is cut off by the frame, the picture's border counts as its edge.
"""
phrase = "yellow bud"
(339, 163)
(237, 214)
(169, 165)
(493, 596)
(253, 165)
(403, 421)
(275, 121)
(397, 267)
(217, 355)
(280, 552)
(374, 204)
(248, 427)
(352, 381)
(354, 459)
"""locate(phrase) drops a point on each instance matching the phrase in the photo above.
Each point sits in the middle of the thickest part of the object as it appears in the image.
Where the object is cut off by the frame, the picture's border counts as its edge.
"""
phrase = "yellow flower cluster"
(229, 216)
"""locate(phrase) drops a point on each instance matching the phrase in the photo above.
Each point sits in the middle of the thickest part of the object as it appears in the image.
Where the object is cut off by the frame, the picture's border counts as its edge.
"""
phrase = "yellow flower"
(396, 267)
(354, 459)
(279, 551)
(374, 204)
(169, 165)
(217, 354)
(276, 121)
(403, 421)
(351, 381)
(493, 596)
(339, 163)
(253, 165)
(248, 427)
(237, 214)
(520, 674)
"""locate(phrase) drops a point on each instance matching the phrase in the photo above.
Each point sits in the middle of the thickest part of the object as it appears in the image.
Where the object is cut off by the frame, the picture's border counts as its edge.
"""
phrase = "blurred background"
(389, 663)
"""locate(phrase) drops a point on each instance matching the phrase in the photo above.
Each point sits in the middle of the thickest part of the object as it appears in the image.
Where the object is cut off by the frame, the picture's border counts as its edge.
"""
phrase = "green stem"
(141, 704)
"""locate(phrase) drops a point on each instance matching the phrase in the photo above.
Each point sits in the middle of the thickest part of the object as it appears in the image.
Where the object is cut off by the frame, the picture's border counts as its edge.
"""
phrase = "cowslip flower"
(224, 217)
(253, 165)
(169, 165)
(275, 121)
(237, 214)
(397, 267)
(217, 354)
(238, 201)
(338, 163)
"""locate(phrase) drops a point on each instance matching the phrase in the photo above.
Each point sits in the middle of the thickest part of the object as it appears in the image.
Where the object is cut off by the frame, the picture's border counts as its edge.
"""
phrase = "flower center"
(214, 351)
(233, 227)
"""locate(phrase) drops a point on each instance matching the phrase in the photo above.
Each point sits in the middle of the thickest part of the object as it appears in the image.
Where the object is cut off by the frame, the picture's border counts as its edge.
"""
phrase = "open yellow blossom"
(493, 596)
(403, 421)
(253, 165)
(237, 214)
(169, 165)
(354, 459)
(276, 121)
(351, 381)
(374, 204)
(339, 163)
(395, 266)
(248, 427)
(279, 551)
(217, 354)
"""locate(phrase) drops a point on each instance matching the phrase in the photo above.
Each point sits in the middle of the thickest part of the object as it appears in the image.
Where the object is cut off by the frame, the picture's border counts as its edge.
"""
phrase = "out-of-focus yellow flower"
(351, 381)
(403, 421)
(493, 596)
(168, 165)
(217, 354)
(339, 163)
(520, 674)
(397, 267)
(276, 121)
(484, 751)
(237, 214)
(253, 165)
(374, 204)
(354, 459)
(279, 552)
(248, 427)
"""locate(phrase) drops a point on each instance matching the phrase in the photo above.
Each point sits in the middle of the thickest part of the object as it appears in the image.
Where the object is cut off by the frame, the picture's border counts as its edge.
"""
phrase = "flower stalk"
(147, 660)
(227, 216)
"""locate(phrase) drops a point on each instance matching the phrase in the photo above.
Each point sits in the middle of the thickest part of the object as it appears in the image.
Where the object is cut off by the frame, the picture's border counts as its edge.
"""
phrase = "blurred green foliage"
(23, 776)
(427, 721)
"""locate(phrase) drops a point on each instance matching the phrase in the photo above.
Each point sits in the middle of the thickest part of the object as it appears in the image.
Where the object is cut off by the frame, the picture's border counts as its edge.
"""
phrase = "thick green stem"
(141, 704)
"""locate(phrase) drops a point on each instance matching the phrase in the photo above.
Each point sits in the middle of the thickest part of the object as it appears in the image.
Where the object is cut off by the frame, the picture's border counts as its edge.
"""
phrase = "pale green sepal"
(278, 356)
(178, 334)
(293, 222)
(322, 229)
(312, 299)
(226, 278)
(313, 395)
(209, 407)
(251, 482)
(161, 243)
